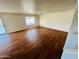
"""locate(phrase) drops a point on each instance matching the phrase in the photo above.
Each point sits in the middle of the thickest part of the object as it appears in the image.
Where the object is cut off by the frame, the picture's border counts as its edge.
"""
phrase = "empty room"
(38, 29)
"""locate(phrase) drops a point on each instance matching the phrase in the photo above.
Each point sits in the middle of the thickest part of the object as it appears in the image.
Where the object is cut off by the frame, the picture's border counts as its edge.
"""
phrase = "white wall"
(60, 20)
(57, 14)
(15, 22)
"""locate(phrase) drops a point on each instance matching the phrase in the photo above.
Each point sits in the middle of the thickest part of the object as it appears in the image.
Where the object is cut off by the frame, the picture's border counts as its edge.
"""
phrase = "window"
(30, 20)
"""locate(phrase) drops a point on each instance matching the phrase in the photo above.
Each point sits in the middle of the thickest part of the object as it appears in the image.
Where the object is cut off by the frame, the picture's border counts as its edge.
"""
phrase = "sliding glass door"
(2, 28)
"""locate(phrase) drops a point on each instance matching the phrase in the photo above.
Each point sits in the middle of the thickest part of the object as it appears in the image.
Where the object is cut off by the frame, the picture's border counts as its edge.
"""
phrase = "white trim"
(73, 51)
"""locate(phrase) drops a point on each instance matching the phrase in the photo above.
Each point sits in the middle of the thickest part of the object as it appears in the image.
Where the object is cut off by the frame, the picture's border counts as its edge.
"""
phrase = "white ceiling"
(56, 5)
(35, 6)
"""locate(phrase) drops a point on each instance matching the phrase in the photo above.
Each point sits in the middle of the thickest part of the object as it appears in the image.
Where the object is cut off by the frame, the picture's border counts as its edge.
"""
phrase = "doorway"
(2, 27)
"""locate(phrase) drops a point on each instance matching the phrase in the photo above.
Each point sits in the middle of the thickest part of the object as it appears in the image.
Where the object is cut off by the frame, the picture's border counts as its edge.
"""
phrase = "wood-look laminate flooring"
(34, 43)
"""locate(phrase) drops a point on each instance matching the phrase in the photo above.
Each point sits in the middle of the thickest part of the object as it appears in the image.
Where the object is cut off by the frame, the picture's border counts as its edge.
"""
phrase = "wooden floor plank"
(34, 43)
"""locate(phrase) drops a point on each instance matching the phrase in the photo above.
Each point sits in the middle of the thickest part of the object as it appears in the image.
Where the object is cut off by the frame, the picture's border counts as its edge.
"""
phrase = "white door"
(2, 29)
(71, 46)
(72, 39)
